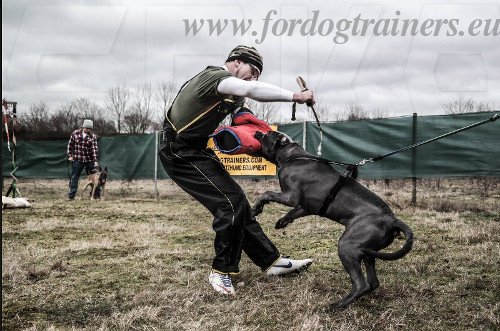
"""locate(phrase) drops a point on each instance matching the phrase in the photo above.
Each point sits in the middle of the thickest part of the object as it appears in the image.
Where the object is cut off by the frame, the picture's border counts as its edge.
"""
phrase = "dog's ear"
(281, 140)
(106, 169)
(285, 139)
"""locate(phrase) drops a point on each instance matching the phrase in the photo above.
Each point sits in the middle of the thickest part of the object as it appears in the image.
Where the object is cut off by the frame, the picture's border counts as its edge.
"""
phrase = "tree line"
(142, 110)
(123, 111)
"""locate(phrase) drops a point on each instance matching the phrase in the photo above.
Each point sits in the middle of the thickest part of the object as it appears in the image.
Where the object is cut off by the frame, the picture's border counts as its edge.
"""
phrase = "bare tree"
(71, 115)
(351, 111)
(324, 112)
(85, 108)
(266, 111)
(461, 105)
(36, 121)
(354, 111)
(66, 118)
(378, 113)
(165, 94)
(116, 101)
(138, 116)
(103, 125)
(327, 113)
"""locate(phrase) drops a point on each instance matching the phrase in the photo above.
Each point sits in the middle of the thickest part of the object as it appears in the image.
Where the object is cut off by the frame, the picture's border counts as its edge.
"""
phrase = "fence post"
(157, 193)
(304, 132)
(414, 162)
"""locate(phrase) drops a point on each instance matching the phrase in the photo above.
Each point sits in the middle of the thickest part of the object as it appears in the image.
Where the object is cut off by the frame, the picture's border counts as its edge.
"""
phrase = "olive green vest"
(197, 97)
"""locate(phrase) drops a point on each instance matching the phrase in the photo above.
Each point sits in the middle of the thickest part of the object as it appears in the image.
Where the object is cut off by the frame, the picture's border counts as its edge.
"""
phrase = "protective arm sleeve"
(258, 91)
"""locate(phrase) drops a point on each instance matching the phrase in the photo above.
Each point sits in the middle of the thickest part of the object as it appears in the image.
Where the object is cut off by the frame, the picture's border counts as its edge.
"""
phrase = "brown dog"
(95, 180)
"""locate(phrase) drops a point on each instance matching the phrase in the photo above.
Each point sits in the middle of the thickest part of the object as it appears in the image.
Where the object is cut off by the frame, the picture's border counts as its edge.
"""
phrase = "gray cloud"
(53, 51)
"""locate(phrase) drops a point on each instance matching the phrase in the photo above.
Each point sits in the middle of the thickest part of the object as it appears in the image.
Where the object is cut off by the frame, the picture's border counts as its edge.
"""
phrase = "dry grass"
(133, 263)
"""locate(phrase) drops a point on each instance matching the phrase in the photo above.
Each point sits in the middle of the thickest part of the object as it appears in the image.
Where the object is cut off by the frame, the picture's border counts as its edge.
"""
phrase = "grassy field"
(133, 263)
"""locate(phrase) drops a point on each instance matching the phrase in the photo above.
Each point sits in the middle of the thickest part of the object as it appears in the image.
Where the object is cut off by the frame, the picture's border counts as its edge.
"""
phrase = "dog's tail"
(398, 226)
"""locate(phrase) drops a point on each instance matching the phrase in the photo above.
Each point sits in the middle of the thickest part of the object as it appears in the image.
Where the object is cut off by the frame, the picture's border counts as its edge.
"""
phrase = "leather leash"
(303, 86)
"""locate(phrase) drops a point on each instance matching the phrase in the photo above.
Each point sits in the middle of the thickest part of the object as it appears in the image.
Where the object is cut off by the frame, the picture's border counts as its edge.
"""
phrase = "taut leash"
(67, 168)
(382, 156)
(352, 168)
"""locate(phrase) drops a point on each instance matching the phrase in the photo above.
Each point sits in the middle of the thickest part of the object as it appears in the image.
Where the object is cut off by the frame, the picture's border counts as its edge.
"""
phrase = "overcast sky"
(55, 51)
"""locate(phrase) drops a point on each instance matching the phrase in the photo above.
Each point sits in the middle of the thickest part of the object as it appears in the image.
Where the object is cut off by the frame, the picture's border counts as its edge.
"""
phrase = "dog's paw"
(282, 223)
(337, 306)
(257, 209)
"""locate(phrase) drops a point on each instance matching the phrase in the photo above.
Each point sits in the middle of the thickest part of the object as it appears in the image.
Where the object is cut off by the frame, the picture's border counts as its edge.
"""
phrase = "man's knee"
(230, 215)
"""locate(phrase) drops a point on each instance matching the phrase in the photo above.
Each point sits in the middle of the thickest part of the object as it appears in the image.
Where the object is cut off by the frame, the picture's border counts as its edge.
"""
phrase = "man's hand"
(96, 164)
(306, 96)
(70, 158)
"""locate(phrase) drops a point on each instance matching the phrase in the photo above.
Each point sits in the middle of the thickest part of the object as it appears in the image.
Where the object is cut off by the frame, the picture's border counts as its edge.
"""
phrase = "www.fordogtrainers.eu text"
(341, 30)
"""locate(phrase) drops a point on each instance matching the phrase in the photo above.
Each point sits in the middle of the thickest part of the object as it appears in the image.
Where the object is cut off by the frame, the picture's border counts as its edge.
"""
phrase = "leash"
(69, 175)
(303, 87)
(382, 156)
(352, 169)
(319, 159)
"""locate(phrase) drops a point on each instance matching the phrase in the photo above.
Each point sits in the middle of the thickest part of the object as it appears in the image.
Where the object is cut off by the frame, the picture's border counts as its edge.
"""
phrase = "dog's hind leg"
(371, 273)
(351, 256)
(289, 217)
(83, 191)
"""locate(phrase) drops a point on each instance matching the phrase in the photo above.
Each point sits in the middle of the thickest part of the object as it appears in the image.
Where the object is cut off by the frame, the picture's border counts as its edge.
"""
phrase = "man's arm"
(261, 91)
(95, 149)
(71, 147)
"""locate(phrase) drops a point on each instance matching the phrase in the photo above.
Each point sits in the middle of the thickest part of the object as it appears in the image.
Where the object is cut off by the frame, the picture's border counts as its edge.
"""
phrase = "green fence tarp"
(475, 152)
(127, 157)
(130, 157)
(351, 142)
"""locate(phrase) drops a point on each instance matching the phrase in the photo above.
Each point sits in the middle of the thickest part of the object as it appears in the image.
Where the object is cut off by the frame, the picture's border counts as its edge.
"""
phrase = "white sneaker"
(221, 283)
(284, 265)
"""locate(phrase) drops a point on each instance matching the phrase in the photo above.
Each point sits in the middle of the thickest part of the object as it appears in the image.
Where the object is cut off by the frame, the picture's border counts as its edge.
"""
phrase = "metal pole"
(304, 132)
(414, 162)
(157, 193)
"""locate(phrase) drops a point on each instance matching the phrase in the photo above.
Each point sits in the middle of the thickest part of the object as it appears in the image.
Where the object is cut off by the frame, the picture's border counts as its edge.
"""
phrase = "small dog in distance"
(97, 179)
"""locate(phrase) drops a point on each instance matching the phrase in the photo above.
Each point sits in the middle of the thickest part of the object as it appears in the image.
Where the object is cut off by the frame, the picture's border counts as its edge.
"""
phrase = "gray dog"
(369, 223)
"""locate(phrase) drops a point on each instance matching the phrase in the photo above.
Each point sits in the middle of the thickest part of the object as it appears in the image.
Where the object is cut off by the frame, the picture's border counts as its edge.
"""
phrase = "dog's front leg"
(92, 191)
(279, 197)
(289, 217)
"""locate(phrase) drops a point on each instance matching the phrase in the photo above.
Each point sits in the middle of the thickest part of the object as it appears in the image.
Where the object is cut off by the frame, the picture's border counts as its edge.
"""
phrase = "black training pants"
(200, 173)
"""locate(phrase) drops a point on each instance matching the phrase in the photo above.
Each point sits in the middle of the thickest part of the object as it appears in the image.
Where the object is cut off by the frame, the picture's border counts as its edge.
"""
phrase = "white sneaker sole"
(223, 290)
(294, 271)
